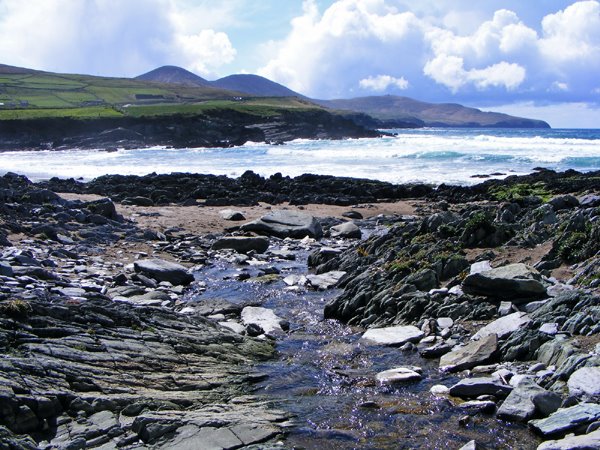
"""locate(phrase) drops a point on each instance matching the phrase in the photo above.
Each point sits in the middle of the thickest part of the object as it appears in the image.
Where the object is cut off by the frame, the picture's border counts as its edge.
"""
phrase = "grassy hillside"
(28, 94)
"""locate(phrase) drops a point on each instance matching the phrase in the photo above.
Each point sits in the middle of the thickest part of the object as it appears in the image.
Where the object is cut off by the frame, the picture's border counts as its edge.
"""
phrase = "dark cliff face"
(219, 128)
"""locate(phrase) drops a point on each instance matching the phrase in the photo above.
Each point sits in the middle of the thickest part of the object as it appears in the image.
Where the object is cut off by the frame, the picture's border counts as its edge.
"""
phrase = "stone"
(566, 419)
(474, 387)
(549, 328)
(505, 309)
(162, 270)
(242, 244)
(470, 355)
(444, 322)
(585, 382)
(584, 442)
(436, 350)
(347, 230)
(396, 336)
(398, 375)
(286, 224)
(519, 405)
(471, 445)
(325, 280)
(590, 201)
(516, 281)
(352, 215)
(5, 269)
(478, 406)
(503, 326)
(233, 326)
(231, 214)
(480, 266)
(439, 389)
(263, 317)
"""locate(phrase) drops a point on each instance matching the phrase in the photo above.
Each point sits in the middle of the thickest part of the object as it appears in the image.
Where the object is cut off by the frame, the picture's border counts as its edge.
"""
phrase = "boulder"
(5, 269)
(162, 270)
(566, 419)
(515, 281)
(231, 214)
(503, 326)
(474, 387)
(326, 280)
(583, 442)
(520, 405)
(470, 355)
(263, 317)
(396, 336)
(242, 244)
(346, 230)
(585, 381)
(286, 224)
(398, 375)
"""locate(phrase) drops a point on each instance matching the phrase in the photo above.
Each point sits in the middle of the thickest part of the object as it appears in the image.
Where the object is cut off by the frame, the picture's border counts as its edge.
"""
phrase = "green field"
(33, 94)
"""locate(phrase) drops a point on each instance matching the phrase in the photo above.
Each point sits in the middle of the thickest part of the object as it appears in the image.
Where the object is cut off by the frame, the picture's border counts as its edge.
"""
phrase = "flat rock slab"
(286, 224)
(325, 280)
(398, 335)
(503, 326)
(346, 230)
(263, 317)
(585, 381)
(515, 281)
(583, 442)
(470, 355)
(242, 244)
(162, 270)
(474, 387)
(398, 375)
(567, 419)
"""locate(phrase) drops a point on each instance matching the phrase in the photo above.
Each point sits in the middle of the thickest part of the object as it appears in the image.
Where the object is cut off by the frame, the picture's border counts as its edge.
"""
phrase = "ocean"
(442, 155)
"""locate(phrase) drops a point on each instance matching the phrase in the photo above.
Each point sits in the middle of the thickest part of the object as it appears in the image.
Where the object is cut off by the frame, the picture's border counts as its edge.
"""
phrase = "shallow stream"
(325, 376)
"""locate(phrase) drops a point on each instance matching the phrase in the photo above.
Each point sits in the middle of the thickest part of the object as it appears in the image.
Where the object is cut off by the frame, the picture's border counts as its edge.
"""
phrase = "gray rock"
(471, 445)
(480, 266)
(231, 214)
(520, 406)
(347, 230)
(505, 309)
(584, 442)
(398, 375)
(503, 326)
(585, 381)
(566, 419)
(286, 224)
(263, 317)
(5, 269)
(325, 280)
(474, 387)
(549, 328)
(423, 280)
(590, 201)
(470, 355)
(242, 244)
(162, 270)
(517, 281)
(396, 336)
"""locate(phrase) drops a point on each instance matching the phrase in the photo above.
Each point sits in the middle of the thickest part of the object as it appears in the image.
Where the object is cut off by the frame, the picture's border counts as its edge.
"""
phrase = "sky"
(534, 58)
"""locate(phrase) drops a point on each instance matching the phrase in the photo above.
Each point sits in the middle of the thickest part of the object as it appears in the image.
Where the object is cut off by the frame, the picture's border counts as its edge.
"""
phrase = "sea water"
(442, 155)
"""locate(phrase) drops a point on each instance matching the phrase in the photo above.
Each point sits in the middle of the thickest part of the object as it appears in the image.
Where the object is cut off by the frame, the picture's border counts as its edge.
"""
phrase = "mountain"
(393, 110)
(254, 85)
(174, 75)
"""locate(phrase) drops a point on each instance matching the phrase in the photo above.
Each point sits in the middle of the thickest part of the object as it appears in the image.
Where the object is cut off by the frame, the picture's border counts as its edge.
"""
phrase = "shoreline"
(75, 286)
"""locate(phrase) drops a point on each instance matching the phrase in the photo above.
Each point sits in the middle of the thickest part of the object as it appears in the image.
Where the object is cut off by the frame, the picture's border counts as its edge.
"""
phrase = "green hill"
(29, 94)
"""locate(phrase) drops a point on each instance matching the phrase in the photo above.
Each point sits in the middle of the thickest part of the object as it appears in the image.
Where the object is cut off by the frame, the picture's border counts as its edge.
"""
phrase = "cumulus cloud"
(109, 37)
(383, 82)
(329, 53)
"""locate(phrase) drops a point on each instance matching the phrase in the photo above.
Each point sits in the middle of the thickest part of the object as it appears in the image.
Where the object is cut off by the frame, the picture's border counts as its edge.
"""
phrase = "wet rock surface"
(100, 350)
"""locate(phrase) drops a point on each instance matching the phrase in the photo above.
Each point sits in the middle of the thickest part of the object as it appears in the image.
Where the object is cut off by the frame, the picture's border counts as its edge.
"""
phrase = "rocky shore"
(110, 338)
(213, 128)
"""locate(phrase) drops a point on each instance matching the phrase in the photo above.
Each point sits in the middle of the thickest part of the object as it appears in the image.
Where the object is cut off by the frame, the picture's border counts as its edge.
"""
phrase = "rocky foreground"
(500, 282)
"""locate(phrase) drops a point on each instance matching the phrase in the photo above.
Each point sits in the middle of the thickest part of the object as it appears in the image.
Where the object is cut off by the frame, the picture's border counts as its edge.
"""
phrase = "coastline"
(69, 262)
